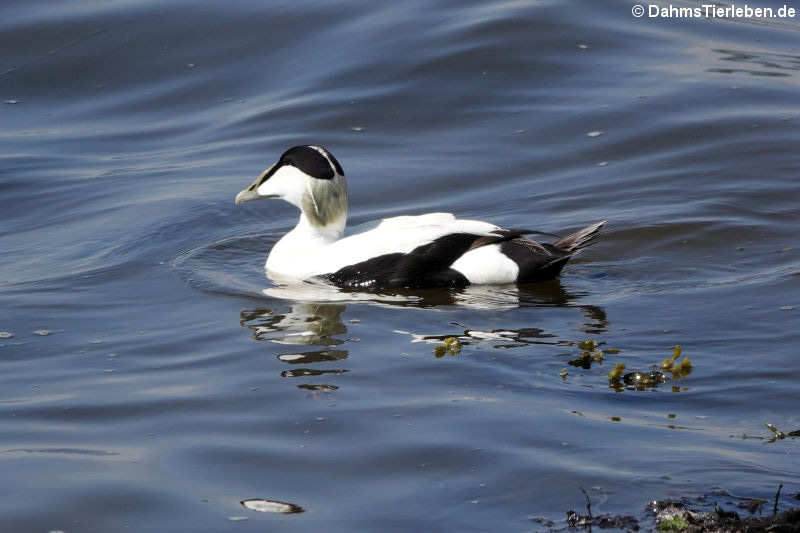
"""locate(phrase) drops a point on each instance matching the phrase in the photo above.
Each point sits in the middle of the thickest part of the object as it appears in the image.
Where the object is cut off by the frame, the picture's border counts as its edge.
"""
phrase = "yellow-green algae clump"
(679, 370)
(676, 523)
(588, 345)
(451, 346)
(642, 380)
(615, 374)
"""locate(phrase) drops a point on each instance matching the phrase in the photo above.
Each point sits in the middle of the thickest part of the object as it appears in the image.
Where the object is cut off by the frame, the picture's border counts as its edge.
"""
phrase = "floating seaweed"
(668, 363)
(643, 380)
(615, 374)
(696, 515)
(450, 346)
(686, 516)
(588, 345)
(590, 354)
(586, 358)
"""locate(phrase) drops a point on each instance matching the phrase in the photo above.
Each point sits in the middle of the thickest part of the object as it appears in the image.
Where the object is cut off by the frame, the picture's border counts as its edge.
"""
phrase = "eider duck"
(415, 252)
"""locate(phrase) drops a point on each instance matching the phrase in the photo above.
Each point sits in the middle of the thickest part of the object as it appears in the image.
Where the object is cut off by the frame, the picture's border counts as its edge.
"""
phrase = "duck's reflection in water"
(304, 324)
(549, 294)
(319, 324)
(553, 294)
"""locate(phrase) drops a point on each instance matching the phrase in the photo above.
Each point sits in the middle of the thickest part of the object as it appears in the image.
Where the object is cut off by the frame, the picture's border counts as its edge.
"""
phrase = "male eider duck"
(432, 250)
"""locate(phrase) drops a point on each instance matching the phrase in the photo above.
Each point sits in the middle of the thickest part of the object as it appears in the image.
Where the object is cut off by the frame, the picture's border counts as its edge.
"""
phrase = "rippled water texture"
(176, 389)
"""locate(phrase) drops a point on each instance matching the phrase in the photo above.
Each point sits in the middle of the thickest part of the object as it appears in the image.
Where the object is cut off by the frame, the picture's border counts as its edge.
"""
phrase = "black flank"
(424, 267)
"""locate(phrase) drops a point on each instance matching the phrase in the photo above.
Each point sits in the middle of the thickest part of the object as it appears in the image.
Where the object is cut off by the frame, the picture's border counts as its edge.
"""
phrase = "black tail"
(580, 239)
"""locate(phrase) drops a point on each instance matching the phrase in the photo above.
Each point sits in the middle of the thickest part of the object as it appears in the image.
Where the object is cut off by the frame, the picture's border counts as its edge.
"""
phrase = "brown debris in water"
(676, 516)
(686, 516)
(605, 521)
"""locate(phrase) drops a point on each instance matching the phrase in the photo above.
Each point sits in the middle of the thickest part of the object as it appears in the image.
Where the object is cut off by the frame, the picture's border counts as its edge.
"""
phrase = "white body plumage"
(406, 251)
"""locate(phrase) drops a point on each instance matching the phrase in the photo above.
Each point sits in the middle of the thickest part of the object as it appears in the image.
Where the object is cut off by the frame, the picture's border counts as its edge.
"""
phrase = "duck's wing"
(409, 251)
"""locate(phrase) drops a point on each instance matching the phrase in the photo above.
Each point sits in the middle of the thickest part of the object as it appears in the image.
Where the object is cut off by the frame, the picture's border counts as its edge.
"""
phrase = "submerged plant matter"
(450, 346)
(643, 380)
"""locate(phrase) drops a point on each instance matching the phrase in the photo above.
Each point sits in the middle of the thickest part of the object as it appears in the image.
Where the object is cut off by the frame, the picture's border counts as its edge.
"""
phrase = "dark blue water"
(171, 387)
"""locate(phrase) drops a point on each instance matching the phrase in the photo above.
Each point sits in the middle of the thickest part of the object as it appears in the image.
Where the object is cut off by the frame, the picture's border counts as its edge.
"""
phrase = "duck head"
(308, 177)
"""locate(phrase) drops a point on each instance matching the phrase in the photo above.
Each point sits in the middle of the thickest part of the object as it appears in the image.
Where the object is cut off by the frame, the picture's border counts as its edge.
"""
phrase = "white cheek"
(269, 188)
(287, 182)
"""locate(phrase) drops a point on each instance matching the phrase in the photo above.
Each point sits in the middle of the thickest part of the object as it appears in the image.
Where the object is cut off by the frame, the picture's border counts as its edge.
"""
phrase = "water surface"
(171, 387)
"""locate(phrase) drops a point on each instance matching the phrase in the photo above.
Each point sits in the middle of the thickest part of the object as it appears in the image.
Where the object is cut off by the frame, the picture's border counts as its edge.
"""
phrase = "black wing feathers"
(429, 265)
(423, 267)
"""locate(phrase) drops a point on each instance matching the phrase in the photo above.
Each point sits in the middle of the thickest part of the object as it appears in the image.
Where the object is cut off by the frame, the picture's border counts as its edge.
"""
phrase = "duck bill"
(251, 193)
(247, 195)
